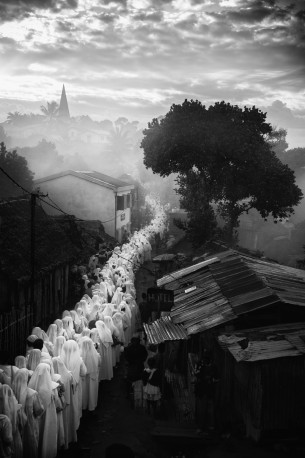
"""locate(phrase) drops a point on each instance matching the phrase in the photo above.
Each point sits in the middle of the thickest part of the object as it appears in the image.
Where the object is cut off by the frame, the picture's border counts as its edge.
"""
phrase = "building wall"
(81, 198)
(87, 201)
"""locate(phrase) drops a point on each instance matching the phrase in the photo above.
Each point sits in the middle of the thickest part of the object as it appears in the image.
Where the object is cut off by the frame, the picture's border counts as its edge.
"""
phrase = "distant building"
(63, 110)
(90, 195)
(60, 128)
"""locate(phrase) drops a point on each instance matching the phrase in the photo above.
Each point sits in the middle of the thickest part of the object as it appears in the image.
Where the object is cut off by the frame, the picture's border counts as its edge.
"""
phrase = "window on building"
(128, 201)
(120, 203)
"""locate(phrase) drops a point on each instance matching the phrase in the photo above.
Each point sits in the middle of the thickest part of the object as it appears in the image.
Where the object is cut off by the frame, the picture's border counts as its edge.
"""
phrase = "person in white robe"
(117, 319)
(115, 347)
(59, 342)
(70, 414)
(41, 334)
(95, 338)
(76, 321)
(29, 344)
(20, 361)
(117, 297)
(52, 333)
(10, 407)
(33, 359)
(33, 408)
(90, 382)
(85, 333)
(41, 382)
(125, 310)
(6, 436)
(68, 326)
(106, 368)
(93, 315)
(60, 329)
(70, 355)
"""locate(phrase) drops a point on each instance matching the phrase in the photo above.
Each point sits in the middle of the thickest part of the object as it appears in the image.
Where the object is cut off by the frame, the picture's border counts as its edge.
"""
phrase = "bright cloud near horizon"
(135, 58)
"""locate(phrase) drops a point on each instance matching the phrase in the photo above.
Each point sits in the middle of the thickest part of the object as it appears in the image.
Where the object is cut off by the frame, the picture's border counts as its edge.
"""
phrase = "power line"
(15, 182)
(56, 207)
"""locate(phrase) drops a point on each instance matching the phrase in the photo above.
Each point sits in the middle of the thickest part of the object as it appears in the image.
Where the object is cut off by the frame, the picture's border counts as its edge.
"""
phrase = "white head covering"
(85, 332)
(40, 334)
(20, 361)
(9, 405)
(108, 310)
(85, 306)
(70, 355)
(68, 325)
(59, 341)
(65, 375)
(75, 318)
(20, 385)
(33, 359)
(90, 356)
(65, 313)
(60, 327)
(113, 329)
(94, 312)
(104, 333)
(32, 338)
(41, 382)
(52, 333)
(124, 304)
(94, 335)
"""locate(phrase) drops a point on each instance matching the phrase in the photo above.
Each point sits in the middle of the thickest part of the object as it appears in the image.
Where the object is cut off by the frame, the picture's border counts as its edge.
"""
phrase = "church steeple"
(63, 110)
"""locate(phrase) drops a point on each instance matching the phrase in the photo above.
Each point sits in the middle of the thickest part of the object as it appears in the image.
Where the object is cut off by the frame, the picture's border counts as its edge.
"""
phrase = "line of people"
(43, 394)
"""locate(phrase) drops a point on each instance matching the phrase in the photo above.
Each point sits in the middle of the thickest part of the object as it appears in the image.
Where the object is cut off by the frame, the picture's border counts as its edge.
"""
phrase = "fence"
(17, 317)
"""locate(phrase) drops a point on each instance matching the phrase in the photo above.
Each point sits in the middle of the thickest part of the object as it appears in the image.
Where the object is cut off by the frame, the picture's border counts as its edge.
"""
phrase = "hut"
(231, 291)
(262, 380)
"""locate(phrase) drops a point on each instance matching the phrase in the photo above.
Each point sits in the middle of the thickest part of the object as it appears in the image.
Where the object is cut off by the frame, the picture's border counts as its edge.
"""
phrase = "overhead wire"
(56, 207)
(53, 205)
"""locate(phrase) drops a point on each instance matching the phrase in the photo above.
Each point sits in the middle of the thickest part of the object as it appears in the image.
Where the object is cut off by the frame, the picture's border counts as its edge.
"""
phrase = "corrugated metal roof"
(182, 272)
(164, 329)
(164, 257)
(227, 285)
(266, 343)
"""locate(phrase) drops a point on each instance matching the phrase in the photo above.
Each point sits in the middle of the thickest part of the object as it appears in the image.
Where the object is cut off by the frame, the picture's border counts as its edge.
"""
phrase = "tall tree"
(4, 137)
(51, 110)
(15, 117)
(227, 148)
(17, 168)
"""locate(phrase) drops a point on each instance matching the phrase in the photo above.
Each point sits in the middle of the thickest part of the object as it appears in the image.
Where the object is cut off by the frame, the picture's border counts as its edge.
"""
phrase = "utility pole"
(32, 258)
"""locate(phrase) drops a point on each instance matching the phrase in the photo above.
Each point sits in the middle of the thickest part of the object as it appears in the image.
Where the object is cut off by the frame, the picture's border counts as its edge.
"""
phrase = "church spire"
(63, 110)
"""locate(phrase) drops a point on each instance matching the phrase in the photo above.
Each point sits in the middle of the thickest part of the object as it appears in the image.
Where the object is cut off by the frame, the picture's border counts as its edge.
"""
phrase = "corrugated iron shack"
(262, 380)
(228, 292)
(235, 290)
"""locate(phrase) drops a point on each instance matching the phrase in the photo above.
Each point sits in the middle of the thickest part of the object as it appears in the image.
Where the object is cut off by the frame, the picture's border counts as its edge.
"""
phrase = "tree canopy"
(225, 150)
(16, 167)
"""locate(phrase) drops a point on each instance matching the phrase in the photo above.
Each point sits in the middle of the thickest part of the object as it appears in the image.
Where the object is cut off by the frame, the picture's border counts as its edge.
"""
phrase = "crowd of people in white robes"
(43, 394)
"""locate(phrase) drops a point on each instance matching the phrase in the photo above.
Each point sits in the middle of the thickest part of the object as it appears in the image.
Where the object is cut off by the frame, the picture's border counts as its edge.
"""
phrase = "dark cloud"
(19, 9)
(107, 18)
(250, 15)
(117, 2)
(189, 23)
(65, 26)
(155, 16)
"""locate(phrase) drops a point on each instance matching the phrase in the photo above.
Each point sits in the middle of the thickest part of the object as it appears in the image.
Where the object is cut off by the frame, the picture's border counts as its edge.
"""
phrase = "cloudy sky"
(135, 58)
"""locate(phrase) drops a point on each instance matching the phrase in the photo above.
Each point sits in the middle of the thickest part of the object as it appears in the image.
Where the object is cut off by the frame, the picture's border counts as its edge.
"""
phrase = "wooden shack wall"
(262, 397)
(283, 396)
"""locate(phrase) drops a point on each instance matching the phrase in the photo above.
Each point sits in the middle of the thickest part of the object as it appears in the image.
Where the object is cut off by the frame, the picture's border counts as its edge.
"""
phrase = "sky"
(135, 58)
